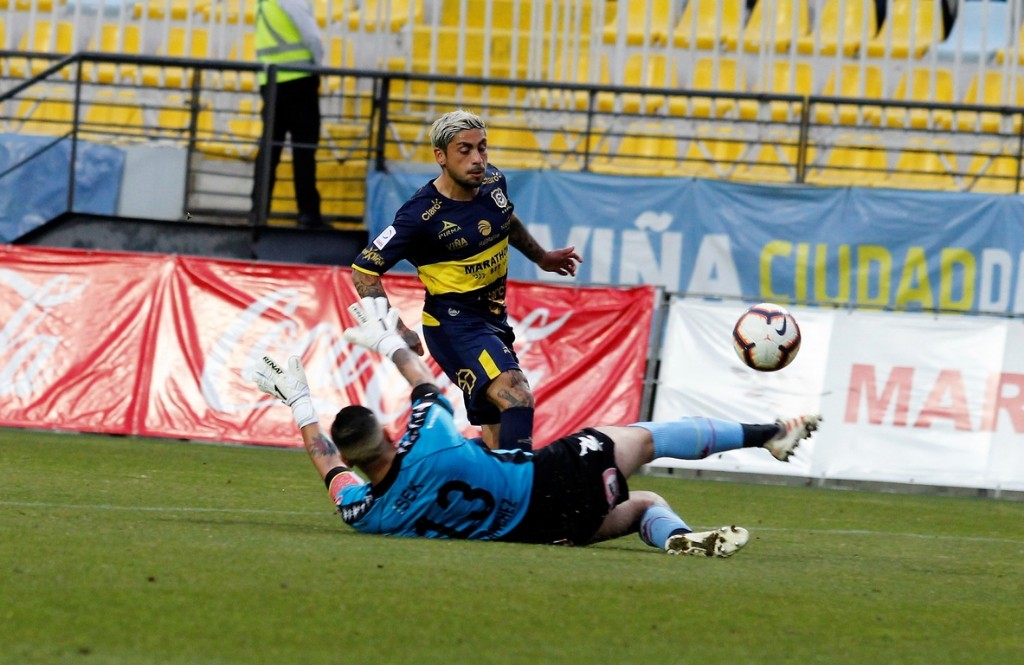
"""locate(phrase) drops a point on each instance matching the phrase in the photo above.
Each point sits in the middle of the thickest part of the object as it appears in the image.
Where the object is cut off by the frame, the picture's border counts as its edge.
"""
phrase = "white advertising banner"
(907, 398)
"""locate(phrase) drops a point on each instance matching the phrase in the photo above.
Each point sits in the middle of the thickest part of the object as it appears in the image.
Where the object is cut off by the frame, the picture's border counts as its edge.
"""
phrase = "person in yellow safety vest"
(287, 33)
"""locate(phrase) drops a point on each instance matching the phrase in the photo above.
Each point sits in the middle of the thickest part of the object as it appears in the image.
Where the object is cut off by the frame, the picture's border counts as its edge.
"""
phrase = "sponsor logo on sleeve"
(385, 236)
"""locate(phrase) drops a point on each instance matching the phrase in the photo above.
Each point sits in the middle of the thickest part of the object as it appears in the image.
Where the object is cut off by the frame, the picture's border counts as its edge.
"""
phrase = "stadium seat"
(707, 24)
(713, 153)
(859, 161)
(228, 11)
(651, 70)
(112, 116)
(791, 22)
(114, 39)
(173, 117)
(923, 84)
(179, 10)
(242, 51)
(925, 165)
(646, 22)
(512, 144)
(910, 28)
(996, 172)
(43, 36)
(991, 90)
(380, 15)
(771, 163)
(51, 113)
(578, 69)
(230, 131)
(842, 27)
(981, 30)
(645, 148)
(180, 43)
(1005, 54)
(724, 75)
(851, 80)
(787, 79)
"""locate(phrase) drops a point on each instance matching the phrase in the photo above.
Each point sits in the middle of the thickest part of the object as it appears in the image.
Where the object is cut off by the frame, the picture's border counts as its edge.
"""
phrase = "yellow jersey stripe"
(428, 320)
(469, 274)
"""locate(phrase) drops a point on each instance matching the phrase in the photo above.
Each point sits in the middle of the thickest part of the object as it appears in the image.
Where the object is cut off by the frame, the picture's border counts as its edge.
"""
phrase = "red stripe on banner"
(164, 346)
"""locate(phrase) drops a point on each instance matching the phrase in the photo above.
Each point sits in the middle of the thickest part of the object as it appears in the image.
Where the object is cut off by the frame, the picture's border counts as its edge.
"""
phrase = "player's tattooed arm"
(562, 261)
(370, 286)
(321, 446)
(521, 239)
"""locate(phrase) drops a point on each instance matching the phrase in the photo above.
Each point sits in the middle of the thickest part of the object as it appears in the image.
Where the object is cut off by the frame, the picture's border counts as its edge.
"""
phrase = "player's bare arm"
(370, 286)
(562, 261)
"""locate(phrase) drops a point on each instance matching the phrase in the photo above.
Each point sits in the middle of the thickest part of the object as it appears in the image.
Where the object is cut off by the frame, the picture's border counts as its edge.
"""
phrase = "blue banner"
(35, 189)
(865, 247)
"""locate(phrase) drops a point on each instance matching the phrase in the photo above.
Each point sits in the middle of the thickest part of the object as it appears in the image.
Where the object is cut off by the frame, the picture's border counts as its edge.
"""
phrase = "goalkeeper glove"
(289, 385)
(378, 326)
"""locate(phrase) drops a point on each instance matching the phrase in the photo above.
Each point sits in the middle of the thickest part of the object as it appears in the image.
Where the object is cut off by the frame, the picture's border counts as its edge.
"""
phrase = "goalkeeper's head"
(358, 435)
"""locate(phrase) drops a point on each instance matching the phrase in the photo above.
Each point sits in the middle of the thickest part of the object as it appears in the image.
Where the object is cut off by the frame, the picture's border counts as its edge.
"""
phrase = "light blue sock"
(694, 438)
(658, 523)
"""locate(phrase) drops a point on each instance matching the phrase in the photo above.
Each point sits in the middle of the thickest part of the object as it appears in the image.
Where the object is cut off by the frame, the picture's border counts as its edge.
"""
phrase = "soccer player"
(456, 230)
(435, 483)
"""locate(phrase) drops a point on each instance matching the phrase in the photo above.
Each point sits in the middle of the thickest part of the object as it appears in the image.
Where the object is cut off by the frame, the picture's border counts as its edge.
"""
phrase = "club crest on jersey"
(466, 380)
(385, 236)
(499, 197)
(448, 229)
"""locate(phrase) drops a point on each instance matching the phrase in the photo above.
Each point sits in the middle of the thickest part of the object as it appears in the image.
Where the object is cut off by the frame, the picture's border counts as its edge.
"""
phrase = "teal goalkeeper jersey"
(442, 485)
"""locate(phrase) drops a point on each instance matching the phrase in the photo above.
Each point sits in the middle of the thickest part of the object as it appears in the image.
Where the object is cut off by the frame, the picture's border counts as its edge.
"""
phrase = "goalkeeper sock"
(516, 431)
(658, 523)
(694, 438)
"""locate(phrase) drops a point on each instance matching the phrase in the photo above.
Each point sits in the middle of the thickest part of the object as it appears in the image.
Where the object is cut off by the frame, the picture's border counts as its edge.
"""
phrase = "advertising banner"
(874, 248)
(166, 346)
(907, 398)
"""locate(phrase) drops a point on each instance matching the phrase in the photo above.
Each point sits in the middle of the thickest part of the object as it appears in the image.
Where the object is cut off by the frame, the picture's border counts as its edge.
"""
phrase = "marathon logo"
(448, 229)
(495, 262)
(432, 210)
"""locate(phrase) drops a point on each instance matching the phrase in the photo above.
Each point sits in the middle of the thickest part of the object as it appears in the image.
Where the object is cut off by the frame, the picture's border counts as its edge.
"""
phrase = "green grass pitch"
(118, 550)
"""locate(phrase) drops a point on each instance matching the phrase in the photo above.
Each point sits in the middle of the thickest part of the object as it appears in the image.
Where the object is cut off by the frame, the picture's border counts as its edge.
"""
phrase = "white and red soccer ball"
(766, 337)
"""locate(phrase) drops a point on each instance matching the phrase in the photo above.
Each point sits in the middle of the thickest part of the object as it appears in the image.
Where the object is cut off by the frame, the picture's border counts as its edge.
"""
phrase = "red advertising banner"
(165, 346)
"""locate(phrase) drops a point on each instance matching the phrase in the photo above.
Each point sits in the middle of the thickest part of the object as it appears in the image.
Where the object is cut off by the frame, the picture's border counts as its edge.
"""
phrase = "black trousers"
(296, 113)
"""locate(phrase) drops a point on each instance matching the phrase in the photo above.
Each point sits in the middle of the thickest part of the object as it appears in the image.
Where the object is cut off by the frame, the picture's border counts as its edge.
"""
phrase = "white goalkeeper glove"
(289, 385)
(378, 326)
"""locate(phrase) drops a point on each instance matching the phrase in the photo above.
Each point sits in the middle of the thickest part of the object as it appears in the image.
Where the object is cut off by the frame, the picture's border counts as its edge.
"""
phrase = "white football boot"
(721, 542)
(791, 432)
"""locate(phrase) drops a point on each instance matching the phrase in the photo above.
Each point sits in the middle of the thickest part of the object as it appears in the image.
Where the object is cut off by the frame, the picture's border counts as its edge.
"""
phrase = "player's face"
(465, 160)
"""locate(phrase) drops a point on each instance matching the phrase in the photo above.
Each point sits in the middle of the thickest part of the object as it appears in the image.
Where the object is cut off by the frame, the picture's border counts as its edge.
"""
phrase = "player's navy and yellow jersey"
(441, 485)
(459, 248)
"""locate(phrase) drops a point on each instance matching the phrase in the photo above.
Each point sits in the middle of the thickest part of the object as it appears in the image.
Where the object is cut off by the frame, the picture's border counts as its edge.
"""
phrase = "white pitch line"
(259, 511)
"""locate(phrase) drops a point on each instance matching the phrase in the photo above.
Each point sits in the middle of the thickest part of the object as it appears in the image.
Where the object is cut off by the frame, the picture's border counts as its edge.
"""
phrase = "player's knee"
(645, 499)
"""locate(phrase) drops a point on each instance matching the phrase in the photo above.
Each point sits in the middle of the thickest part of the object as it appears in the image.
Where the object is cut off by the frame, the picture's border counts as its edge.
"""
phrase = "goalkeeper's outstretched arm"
(377, 330)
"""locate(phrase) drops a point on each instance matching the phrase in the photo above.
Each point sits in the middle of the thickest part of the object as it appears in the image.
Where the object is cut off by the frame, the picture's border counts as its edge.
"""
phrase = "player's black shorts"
(472, 351)
(575, 486)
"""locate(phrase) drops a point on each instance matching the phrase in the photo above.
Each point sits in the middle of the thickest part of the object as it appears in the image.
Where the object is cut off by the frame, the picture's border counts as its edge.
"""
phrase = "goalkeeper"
(435, 483)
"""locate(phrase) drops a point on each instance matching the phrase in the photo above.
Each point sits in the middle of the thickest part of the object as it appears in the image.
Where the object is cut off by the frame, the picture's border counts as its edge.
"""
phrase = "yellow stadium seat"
(791, 22)
(574, 70)
(863, 164)
(991, 90)
(114, 39)
(842, 27)
(179, 10)
(380, 15)
(716, 155)
(772, 163)
(112, 117)
(651, 70)
(925, 165)
(993, 171)
(910, 28)
(724, 75)
(646, 148)
(922, 84)
(709, 23)
(181, 43)
(786, 79)
(244, 51)
(512, 143)
(43, 36)
(851, 80)
(646, 22)
(50, 114)
(173, 116)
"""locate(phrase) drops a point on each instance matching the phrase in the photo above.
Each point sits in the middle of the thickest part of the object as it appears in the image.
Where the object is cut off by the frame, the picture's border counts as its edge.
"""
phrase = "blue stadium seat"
(980, 31)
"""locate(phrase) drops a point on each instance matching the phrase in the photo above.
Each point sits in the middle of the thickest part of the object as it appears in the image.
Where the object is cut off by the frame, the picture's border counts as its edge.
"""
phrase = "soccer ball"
(766, 337)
